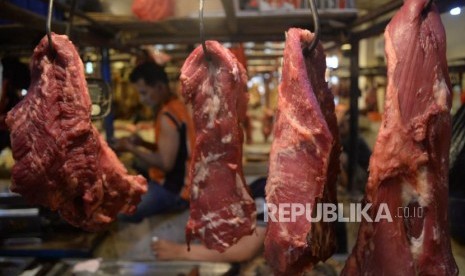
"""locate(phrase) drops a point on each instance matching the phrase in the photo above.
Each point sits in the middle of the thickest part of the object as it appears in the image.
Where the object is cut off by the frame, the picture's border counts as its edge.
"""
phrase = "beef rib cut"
(62, 161)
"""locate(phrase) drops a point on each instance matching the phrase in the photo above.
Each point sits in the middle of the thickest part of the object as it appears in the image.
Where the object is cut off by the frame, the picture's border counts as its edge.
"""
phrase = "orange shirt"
(177, 109)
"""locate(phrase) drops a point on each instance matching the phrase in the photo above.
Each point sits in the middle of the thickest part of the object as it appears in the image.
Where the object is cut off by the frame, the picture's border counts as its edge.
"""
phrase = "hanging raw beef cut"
(409, 165)
(62, 161)
(221, 208)
(304, 160)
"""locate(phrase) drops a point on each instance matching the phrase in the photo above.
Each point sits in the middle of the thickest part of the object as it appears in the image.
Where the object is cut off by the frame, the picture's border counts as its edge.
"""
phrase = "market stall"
(232, 137)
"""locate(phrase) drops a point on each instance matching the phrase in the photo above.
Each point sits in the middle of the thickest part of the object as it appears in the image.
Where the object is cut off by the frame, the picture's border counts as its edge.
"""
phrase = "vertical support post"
(106, 76)
(1, 79)
(354, 113)
(462, 87)
(267, 82)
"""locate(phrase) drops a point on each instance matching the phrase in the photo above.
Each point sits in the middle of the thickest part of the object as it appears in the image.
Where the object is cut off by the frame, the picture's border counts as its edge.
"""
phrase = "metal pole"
(106, 76)
(354, 112)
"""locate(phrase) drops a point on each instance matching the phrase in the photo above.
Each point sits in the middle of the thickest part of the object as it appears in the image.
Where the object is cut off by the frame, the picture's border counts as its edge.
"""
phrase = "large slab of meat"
(304, 160)
(221, 208)
(409, 165)
(62, 162)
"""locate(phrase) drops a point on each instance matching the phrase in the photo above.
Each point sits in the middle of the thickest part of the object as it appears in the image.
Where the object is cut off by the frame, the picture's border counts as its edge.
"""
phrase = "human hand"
(122, 144)
(136, 140)
(164, 250)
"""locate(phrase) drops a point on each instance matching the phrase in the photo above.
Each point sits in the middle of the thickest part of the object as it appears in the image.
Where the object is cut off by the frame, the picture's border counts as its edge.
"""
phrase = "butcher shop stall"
(232, 137)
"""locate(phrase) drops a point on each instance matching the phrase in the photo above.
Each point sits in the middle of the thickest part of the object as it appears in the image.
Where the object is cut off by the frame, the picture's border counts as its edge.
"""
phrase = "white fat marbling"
(235, 72)
(422, 192)
(226, 139)
(441, 91)
(201, 167)
(416, 244)
(211, 108)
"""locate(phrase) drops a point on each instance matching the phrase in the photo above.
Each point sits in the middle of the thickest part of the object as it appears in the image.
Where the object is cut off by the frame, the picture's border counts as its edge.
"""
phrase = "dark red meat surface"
(221, 208)
(409, 165)
(62, 161)
(304, 160)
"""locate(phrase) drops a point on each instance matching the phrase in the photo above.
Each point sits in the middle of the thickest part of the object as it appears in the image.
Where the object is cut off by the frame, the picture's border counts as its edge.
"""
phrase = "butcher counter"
(31, 231)
(65, 267)
(53, 245)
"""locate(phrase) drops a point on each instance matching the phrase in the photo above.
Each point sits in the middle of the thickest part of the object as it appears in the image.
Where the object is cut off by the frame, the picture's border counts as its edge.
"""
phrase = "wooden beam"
(33, 21)
(231, 18)
(169, 28)
(346, 15)
(374, 30)
(193, 39)
(27, 18)
(104, 30)
(378, 12)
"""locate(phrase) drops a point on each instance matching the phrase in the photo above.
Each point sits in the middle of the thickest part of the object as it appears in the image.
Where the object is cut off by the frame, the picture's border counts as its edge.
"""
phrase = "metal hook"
(202, 32)
(316, 24)
(48, 25)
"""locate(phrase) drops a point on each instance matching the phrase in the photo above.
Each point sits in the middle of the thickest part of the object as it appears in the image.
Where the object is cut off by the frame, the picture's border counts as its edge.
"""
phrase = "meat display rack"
(236, 26)
(123, 32)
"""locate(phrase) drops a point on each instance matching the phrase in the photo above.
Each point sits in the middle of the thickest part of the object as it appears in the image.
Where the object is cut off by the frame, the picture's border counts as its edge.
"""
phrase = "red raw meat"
(62, 162)
(153, 10)
(304, 160)
(221, 208)
(409, 165)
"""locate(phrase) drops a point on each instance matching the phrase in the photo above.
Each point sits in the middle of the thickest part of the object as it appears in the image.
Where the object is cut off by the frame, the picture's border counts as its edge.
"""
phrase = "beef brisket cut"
(409, 165)
(62, 162)
(221, 208)
(304, 160)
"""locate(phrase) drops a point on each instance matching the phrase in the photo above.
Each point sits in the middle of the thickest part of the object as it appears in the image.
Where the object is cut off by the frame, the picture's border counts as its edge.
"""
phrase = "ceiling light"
(249, 45)
(455, 11)
(332, 62)
(89, 67)
(346, 47)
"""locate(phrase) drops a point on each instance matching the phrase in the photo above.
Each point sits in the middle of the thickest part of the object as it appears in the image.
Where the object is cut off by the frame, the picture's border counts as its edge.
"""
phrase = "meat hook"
(48, 25)
(316, 25)
(202, 31)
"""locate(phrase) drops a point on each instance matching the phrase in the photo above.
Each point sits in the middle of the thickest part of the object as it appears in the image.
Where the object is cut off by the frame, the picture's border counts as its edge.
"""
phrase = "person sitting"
(168, 159)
